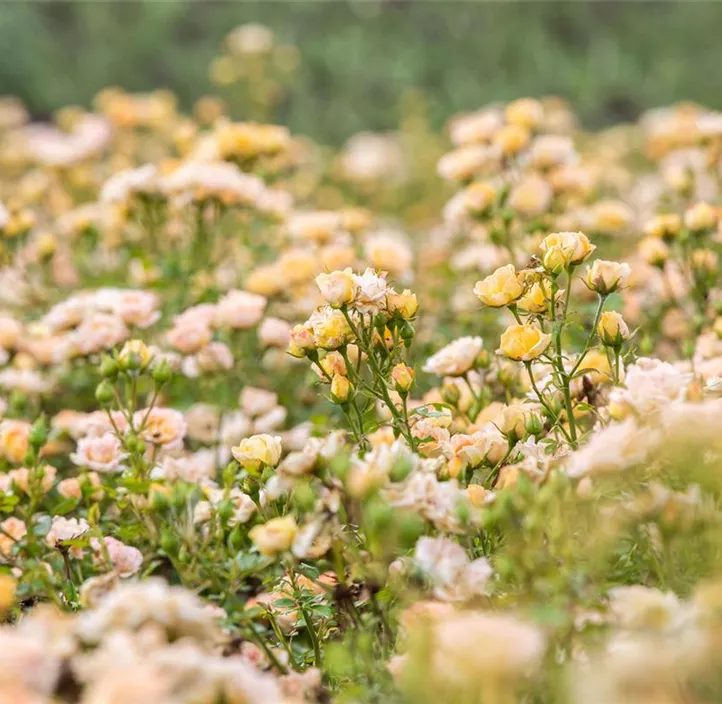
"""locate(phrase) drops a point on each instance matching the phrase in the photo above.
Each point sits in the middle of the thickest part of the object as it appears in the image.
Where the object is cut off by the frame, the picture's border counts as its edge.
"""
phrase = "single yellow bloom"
(523, 343)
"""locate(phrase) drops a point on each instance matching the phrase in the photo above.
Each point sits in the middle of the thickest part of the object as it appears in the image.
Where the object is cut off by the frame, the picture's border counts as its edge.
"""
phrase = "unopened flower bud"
(340, 389)
(554, 261)
(380, 320)
(109, 367)
(38, 433)
(104, 392)
(606, 277)
(403, 305)
(403, 377)
(407, 333)
(612, 329)
(451, 394)
(162, 373)
(134, 355)
(534, 425)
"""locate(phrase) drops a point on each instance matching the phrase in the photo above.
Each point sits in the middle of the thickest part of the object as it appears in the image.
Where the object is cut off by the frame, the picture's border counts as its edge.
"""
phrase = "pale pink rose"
(202, 314)
(161, 426)
(70, 488)
(62, 529)
(21, 477)
(126, 560)
(10, 332)
(103, 453)
(13, 530)
(189, 337)
(274, 332)
(49, 349)
(371, 290)
(122, 185)
(203, 421)
(314, 226)
(195, 469)
(215, 357)
(68, 313)
(137, 308)
(240, 310)
(270, 421)
(99, 422)
(29, 381)
(71, 422)
(256, 402)
(99, 331)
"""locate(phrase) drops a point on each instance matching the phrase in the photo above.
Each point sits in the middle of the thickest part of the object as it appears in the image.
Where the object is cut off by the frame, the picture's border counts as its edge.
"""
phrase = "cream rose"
(275, 536)
(252, 452)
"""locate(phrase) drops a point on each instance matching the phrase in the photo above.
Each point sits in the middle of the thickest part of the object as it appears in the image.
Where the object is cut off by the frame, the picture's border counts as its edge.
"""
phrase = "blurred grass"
(611, 59)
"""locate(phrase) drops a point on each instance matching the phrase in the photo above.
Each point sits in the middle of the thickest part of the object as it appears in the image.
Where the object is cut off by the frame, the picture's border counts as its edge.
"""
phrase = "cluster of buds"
(357, 343)
(540, 306)
(684, 246)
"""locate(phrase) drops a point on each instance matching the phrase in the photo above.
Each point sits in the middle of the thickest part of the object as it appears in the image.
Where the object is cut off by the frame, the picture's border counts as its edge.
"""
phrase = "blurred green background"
(611, 59)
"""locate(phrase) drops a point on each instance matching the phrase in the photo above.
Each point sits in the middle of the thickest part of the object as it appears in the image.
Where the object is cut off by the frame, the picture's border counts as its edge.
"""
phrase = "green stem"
(544, 404)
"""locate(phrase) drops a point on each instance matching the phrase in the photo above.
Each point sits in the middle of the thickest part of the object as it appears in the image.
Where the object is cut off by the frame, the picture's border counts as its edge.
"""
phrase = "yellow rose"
(666, 225)
(525, 112)
(137, 350)
(14, 441)
(606, 277)
(340, 388)
(275, 536)
(257, 450)
(610, 216)
(612, 329)
(7, 592)
(512, 139)
(501, 288)
(537, 298)
(330, 329)
(404, 304)
(523, 343)
(513, 420)
(700, 216)
(403, 377)
(355, 219)
(531, 196)
(46, 245)
(333, 363)
(265, 280)
(478, 496)
(337, 288)
(479, 197)
(704, 261)
(301, 341)
(555, 260)
(571, 247)
(596, 366)
(654, 251)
